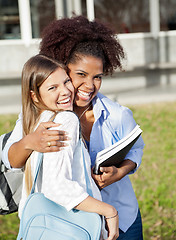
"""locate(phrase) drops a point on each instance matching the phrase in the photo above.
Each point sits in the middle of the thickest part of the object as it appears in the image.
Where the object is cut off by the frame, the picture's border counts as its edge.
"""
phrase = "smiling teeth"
(84, 93)
(64, 101)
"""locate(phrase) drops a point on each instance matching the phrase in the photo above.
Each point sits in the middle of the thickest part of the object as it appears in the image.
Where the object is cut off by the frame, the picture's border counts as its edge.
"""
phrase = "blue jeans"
(134, 232)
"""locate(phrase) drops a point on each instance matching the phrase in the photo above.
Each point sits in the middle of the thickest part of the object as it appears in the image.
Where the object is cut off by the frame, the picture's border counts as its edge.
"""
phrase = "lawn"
(154, 182)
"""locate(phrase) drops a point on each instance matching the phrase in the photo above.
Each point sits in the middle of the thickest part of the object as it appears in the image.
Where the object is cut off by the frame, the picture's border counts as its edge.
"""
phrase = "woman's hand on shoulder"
(45, 140)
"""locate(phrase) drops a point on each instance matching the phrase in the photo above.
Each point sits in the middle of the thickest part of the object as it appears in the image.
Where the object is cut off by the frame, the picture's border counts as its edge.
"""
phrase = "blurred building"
(146, 29)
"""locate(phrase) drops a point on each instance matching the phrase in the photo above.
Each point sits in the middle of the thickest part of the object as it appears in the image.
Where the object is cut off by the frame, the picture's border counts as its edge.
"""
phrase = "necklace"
(85, 111)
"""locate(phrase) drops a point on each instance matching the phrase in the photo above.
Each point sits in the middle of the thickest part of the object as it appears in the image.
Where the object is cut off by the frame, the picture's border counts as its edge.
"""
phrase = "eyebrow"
(53, 84)
(79, 70)
(98, 74)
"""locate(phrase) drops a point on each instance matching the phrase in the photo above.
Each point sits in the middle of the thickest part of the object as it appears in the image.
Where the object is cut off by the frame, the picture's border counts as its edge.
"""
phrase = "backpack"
(44, 219)
(10, 183)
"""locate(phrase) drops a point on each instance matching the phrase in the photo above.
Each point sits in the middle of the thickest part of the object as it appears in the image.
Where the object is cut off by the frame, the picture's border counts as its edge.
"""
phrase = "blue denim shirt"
(112, 123)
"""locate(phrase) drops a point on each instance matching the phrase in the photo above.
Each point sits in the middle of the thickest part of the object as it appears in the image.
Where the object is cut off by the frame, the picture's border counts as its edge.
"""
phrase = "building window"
(9, 19)
(42, 13)
(167, 15)
(126, 16)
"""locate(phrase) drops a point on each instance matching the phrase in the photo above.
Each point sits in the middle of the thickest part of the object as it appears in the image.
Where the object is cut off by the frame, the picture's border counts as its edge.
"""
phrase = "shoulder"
(108, 103)
(114, 110)
(66, 117)
(60, 117)
(116, 118)
(68, 122)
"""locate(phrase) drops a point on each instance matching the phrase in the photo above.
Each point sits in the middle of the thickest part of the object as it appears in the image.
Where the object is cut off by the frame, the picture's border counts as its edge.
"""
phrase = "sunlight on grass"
(154, 182)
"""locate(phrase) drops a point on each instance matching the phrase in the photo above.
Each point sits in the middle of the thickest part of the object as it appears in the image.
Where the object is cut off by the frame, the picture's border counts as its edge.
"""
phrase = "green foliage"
(7, 122)
(9, 225)
(154, 182)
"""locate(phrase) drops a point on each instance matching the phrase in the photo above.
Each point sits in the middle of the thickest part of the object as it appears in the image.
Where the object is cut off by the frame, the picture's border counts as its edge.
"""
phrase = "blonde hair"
(35, 71)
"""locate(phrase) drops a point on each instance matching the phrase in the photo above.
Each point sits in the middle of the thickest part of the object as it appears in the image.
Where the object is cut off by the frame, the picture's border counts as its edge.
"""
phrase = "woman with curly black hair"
(90, 49)
(63, 39)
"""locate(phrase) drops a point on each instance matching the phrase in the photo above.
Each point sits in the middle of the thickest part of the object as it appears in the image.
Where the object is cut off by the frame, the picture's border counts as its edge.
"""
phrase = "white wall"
(13, 55)
(143, 51)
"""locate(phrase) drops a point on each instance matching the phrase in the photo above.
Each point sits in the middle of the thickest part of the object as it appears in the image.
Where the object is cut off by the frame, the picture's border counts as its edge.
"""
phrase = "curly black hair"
(68, 38)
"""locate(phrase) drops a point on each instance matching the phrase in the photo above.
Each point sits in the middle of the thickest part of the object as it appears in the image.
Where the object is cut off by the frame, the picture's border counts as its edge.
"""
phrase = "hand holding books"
(115, 154)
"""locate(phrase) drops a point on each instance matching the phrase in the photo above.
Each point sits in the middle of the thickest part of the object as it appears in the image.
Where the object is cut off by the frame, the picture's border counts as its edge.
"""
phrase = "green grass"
(154, 182)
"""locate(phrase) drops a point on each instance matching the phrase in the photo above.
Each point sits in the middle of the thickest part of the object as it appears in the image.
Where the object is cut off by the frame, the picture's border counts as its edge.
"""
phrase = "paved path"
(10, 100)
(146, 95)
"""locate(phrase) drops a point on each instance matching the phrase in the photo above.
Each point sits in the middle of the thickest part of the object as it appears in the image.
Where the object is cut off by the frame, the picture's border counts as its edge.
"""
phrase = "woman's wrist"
(112, 216)
(18, 154)
(111, 212)
(126, 167)
(27, 141)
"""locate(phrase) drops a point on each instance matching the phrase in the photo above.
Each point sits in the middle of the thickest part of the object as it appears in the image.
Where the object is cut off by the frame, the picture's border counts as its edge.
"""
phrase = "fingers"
(54, 133)
(49, 124)
(45, 127)
(108, 171)
(58, 144)
(55, 136)
(105, 169)
(47, 140)
(108, 176)
(52, 149)
(98, 180)
(63, 136)
(113, 237)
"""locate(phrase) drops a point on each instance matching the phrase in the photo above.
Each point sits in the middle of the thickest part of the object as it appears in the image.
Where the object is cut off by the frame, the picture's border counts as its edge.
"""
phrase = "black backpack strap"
(6, 137)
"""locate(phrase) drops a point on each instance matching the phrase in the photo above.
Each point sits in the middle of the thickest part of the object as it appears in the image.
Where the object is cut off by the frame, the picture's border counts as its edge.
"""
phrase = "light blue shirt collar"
(99, 109)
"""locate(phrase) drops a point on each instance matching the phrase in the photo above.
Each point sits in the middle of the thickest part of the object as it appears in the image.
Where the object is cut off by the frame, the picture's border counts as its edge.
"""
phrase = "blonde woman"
(47, 91)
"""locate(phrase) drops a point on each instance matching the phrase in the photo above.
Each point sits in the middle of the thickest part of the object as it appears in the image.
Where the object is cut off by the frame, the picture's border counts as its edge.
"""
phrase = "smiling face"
(57, 91)
(86, 75)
